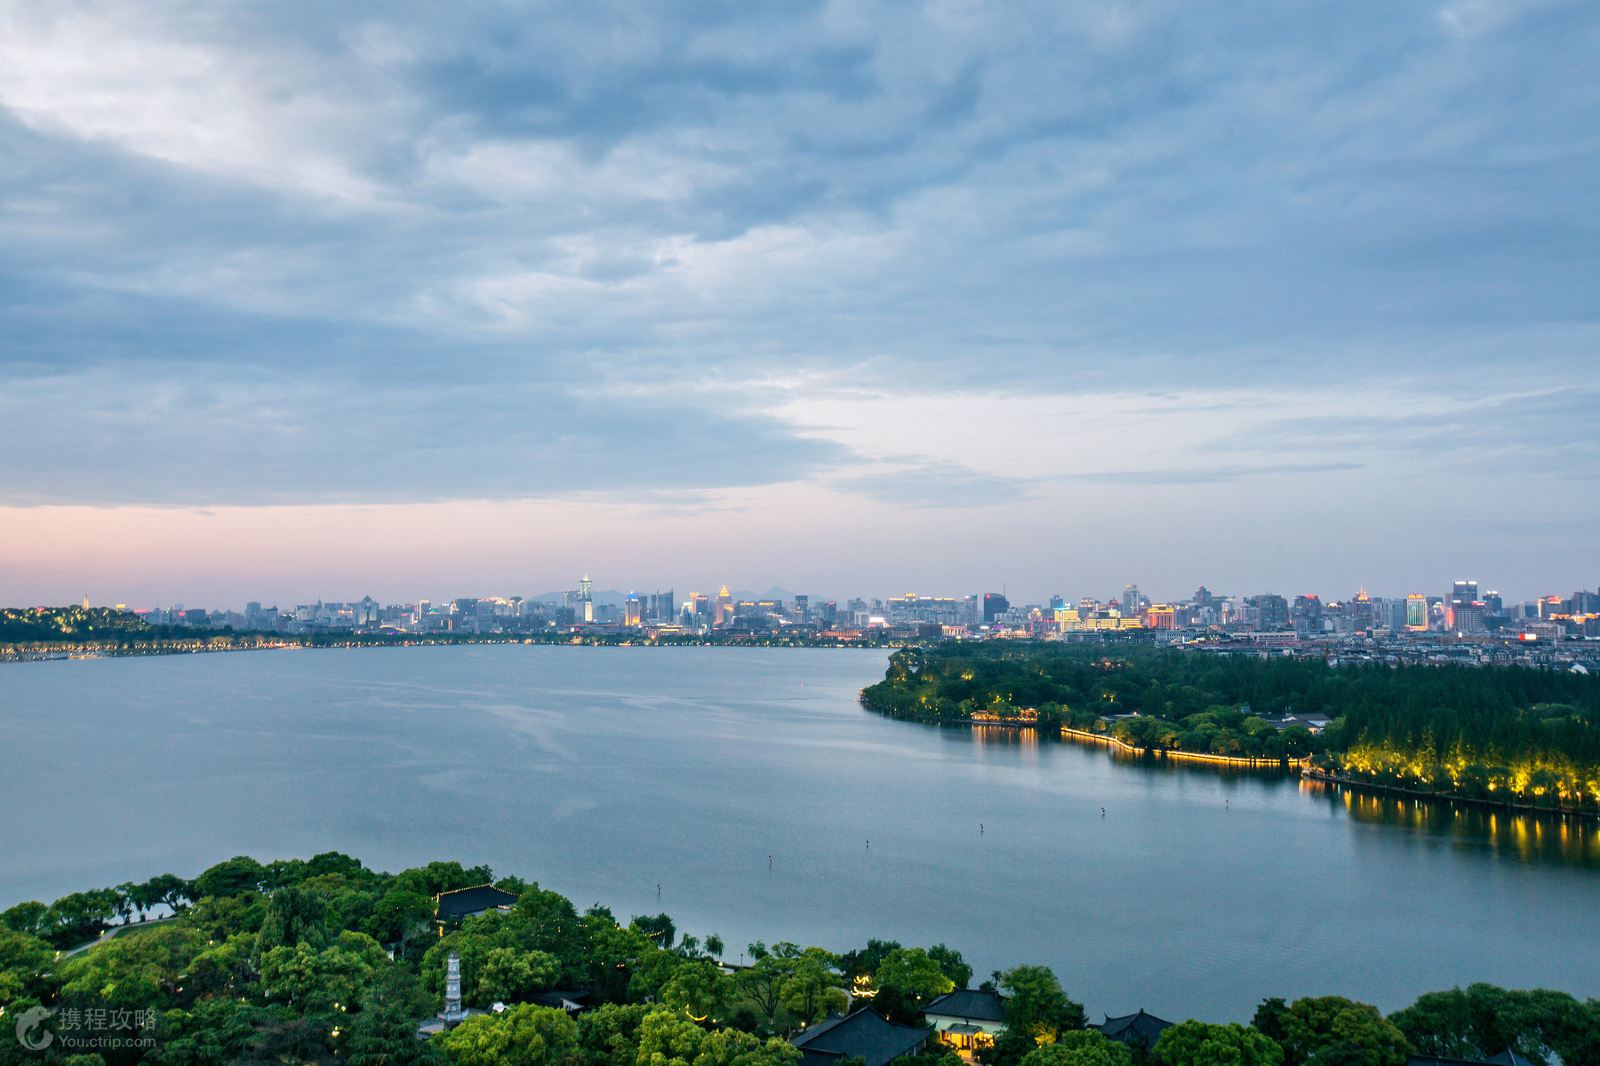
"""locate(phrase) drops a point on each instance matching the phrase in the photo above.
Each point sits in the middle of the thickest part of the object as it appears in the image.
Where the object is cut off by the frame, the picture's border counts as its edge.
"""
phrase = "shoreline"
(1248, 762)
(15, 654)
(1289, 766)
(1356, 784)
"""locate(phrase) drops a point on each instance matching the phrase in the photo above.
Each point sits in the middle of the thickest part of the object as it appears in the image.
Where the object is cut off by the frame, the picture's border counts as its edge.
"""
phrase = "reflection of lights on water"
(1530, 836)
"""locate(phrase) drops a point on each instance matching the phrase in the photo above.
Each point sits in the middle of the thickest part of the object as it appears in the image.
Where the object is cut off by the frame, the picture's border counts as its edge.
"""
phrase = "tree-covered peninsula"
(1499, 734)
(326, 961)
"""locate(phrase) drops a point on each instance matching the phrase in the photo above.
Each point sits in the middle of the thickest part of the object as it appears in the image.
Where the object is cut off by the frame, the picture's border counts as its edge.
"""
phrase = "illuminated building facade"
(938, 610)
(1417, 613)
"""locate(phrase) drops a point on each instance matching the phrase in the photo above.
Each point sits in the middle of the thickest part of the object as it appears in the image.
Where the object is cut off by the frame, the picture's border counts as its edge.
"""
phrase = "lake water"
(603, 772)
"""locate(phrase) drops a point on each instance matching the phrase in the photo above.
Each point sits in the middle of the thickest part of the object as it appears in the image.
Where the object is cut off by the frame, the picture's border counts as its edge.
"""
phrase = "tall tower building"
(586, 598)
(1417, 613)
(995, 604)
(698, 608)
(1463, 594)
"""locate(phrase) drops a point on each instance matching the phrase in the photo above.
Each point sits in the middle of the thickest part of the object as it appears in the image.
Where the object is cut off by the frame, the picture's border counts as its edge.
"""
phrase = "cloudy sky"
(304, 300)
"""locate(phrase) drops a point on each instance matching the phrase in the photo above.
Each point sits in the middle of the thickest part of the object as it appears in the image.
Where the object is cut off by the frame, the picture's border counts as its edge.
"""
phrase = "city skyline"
(1131, 598)
(307, 297)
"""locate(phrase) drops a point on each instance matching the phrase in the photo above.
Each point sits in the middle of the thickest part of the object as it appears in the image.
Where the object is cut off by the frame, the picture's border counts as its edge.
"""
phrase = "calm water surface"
(604, 772)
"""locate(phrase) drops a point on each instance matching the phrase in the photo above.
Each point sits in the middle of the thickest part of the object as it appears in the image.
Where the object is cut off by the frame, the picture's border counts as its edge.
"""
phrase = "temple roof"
(861, 1035)
(1136, 1030)
(463, 902)
(968, 1003)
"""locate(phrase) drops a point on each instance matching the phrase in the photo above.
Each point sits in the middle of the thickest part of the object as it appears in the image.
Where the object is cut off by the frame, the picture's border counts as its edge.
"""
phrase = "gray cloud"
(380, 256)
(1527, 436)
(935, 485)
(1209, 475)
(174, 439)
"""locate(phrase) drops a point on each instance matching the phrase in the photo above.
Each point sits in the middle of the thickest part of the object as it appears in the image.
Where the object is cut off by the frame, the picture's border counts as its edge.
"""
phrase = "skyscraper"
(1417, 613)
(1273, 610)
(1460, 606)
(698, 608)
(1307, 615)
(994, 605)
(586, 598)
(1363, 616)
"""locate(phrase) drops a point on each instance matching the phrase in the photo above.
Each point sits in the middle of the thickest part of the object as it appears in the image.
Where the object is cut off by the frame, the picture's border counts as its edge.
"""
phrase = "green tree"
(1485, 1020)
(399, 915)
(234, 877)
(1036, 1004)
(1332, 1031)
(607, 952)
(552, 924)
(24, 962)
(913, 972)
(658, 927)
(697, 988)
(388, 1037)
(862, 962)
(216, 1031)
(294, 916)
(437, 877)
(610, 1032)
(1081, 1047)
(1193, 1043)
(524, 1035)
(1440, 1024)
(134, 972)
(225, 969)
(31, 917)
(1036, 1011)
(951, 964)
(762, 981)
(812, 989)
(512, 976)
(79, 916)
(336, 978)
(169, 890)
(667, 1038)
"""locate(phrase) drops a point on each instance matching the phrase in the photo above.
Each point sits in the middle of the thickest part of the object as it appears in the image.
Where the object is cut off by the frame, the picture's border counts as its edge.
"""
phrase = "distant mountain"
(774, 593)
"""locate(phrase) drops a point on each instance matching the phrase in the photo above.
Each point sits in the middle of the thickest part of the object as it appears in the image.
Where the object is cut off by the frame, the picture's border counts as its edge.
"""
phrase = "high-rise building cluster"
(1267, 619)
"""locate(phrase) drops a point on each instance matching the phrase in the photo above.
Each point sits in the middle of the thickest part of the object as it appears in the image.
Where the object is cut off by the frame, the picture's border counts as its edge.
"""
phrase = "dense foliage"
(324, 961)
(20, 625)
(43, 632)
(1508, 733)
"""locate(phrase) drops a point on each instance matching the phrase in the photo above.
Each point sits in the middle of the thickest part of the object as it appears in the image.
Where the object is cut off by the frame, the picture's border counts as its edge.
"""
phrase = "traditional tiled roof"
(1139, 1029)
(462, 902)
(861, 1035)
(970, 1004)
